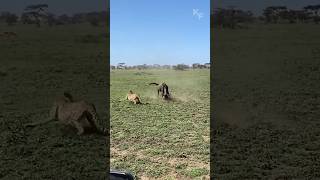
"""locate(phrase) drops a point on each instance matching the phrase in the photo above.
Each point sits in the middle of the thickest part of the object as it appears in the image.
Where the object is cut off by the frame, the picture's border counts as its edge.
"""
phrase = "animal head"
(130, 92)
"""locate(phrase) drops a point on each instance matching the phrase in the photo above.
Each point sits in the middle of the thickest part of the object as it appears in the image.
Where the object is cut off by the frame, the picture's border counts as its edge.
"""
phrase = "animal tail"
(91, 116)
(154, 84)
(103, 131)
(142, 103)
(38, 123)
(68, 96)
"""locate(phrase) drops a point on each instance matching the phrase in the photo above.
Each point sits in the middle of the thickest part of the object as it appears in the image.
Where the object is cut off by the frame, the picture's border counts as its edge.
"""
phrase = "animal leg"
(53, 112)
(79, 127)
(92, 120)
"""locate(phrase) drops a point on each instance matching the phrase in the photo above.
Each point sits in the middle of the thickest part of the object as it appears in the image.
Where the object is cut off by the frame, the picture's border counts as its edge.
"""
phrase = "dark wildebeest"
(163, 89)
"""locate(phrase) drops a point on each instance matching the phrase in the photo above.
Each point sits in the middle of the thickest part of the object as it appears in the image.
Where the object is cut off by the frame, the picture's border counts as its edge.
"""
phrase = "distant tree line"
(231, 18)
(39, 15)
(157, 66)
(236, 18)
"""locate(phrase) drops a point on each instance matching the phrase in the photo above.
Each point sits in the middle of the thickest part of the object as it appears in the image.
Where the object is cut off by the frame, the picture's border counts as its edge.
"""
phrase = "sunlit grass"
(152, 139)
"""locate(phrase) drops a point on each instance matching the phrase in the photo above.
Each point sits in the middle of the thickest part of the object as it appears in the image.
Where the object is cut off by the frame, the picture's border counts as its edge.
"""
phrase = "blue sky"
(159, 32)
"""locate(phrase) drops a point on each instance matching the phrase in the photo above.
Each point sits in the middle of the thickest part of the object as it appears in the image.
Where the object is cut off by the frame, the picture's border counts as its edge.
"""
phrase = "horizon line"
(158, 64)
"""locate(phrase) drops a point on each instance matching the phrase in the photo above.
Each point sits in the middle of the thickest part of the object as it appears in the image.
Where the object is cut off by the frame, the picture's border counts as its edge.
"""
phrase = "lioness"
(163, 89)
(79, 114)
(8, 35)
(133, 97)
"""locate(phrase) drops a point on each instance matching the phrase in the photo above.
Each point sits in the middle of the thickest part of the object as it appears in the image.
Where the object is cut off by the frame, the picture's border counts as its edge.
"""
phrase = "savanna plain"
(36, 66)
(161, 139)
(266, 102)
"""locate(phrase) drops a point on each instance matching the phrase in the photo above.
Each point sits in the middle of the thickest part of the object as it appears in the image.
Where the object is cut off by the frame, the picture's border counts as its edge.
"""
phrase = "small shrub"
(89, 38)
(3, 73)
(181, 67)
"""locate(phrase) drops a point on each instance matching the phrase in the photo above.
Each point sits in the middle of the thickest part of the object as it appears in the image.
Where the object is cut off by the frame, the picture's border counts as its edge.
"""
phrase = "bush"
(181, 67)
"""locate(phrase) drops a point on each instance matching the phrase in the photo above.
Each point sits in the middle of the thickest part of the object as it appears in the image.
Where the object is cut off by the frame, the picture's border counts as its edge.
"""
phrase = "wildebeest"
(163, 89)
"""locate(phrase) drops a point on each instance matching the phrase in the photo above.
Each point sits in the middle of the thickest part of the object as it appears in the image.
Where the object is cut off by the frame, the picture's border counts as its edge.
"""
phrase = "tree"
(293, 16)
(313, 9)
(94, 21)
(93, 18)
(273, 14)
(196, 65)
(78, 18)
(9, 18)
(51, 19)
(314, 12)
(181, 67)
(25, 18)
(12, 19)
(121, 66)
(64, 19)
(230, 18)
(36, 12)
(224, 18)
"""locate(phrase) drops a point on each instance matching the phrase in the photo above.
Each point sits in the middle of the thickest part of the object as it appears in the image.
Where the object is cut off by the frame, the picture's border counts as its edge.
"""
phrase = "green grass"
(152, 139)
(266, 101)
(38, 65)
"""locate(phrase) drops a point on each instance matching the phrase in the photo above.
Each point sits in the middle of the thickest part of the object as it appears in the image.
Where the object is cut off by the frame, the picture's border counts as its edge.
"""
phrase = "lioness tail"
(38, 123)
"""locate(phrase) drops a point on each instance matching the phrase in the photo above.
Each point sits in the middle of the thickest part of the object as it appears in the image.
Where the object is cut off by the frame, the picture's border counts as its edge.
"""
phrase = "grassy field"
(266, 100)
(159, 139)
(38, 65)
